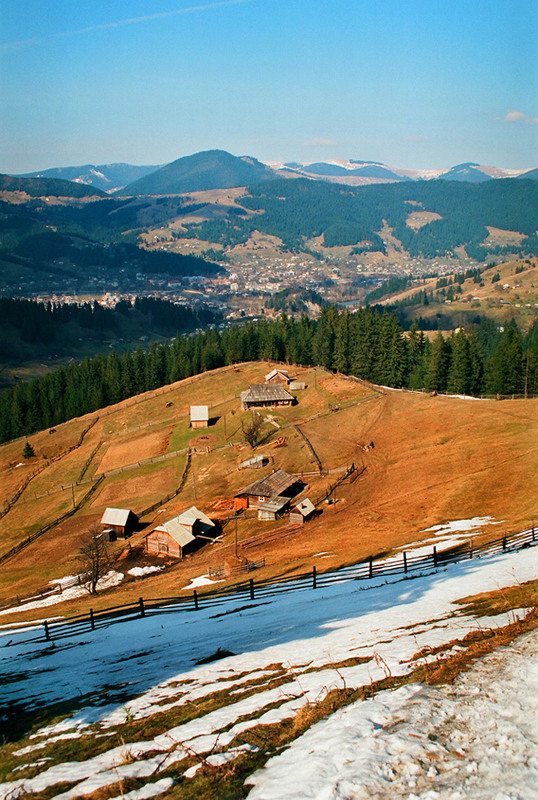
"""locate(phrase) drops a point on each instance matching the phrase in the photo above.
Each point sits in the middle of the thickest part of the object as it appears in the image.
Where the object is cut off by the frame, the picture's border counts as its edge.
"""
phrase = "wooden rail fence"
(371, 568)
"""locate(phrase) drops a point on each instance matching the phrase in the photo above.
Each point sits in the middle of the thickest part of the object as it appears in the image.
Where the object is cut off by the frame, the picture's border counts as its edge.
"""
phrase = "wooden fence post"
(141, 605)
(370, 567)
(251, 587)
(405, 562)
(533, 539)
(196, 600)
(314, 577)
(434, 556)
(92, 621)
(470, 549)
(47, 632)
(504, 543)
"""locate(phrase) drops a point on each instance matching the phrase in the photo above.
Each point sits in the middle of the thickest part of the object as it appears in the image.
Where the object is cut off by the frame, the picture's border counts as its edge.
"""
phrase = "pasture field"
(433, 460)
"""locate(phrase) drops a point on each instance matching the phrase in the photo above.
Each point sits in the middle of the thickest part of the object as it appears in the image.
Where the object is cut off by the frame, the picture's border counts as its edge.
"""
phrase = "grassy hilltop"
(434, 459)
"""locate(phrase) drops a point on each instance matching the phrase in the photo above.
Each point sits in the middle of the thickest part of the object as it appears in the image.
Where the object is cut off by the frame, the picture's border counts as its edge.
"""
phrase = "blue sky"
(411, 83)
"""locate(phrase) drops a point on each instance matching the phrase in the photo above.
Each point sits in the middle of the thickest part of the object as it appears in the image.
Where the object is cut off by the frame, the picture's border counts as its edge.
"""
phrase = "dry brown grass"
(130, 449)
(435, 459)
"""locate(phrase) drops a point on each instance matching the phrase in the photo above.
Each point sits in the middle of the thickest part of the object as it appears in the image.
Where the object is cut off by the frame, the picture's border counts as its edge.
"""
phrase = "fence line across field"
(263, 591)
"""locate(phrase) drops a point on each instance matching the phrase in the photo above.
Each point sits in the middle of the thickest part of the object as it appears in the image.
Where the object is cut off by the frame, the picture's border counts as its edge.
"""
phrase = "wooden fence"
(50, 525)
(371, 568)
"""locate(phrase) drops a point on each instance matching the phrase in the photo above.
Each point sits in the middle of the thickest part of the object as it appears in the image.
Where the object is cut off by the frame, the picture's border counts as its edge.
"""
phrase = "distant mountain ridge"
(40, 187)
(107, 177)
(218, 169)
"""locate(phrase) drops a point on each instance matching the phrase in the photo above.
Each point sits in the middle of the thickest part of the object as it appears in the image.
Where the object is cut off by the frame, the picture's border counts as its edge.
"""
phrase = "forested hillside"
(299, 210)
(31, 330)
(56, 246)
(368, 344)
(41, 187)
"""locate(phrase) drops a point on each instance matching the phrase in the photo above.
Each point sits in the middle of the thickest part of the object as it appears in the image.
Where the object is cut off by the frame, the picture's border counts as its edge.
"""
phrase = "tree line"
(368, 344)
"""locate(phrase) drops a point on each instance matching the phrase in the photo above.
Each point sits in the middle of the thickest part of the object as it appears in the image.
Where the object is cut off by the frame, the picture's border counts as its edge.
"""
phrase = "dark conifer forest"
(368, 344)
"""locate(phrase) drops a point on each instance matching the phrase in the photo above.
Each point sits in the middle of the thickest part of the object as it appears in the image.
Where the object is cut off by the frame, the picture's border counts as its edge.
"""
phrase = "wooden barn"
(118, 523)
(277, 484)
(180, 535)
(302, 511)
(266, 395)
(278, 376)
(199, 416)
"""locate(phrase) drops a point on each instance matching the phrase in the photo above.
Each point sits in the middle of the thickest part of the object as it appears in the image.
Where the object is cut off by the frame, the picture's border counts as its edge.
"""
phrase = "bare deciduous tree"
(94, 559)
(251, 430)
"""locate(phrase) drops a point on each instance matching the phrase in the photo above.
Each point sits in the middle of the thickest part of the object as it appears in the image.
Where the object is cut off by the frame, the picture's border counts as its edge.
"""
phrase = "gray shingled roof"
(270, 486)
(265, 393)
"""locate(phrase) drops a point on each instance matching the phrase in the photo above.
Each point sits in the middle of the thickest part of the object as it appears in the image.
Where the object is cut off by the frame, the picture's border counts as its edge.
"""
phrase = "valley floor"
(314, 695)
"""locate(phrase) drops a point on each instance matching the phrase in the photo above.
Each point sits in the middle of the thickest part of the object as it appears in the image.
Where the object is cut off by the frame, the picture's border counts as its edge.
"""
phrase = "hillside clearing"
(471, 458)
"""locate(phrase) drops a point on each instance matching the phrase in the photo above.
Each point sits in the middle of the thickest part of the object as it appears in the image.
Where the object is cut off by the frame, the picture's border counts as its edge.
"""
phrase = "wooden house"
(180, 535)
(278, 376)
(266, 395)
(199, 416)
(302, 511)
(277, 484)
(118, 523)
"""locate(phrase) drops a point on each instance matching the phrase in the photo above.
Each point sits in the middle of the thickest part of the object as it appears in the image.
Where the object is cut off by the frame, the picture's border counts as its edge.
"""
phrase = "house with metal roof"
(118, 523)
(181, 534)
(266, 395)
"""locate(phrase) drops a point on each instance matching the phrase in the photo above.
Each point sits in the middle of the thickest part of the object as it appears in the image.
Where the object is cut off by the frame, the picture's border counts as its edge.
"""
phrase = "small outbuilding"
(302, 511)
(180, 535)
(266, 395)
(278, 376)
(118, 523)
(272, 508)
(199, 416)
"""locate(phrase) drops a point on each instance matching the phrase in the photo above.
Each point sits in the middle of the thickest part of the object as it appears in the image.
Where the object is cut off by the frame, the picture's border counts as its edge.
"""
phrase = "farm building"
(266, 395)
(199, 416)
(302, 511)
(255, 462)
(277, 484)
(272, 508)
(180, 535)
(296, 386)
(118, 523)
(278, 376)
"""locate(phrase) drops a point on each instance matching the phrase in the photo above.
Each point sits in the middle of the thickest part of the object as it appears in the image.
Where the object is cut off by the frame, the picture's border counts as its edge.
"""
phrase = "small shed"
(271, 508)
(278, 376)
(180, 535)
(255, 462)
(266, 395)
(302, 511)
(277, 483)
(199, 416)
(118, 523)
(296, 386)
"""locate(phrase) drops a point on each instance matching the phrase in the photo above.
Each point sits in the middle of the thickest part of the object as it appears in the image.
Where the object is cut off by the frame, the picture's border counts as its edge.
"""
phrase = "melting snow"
(202, 580)
(478, 739)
